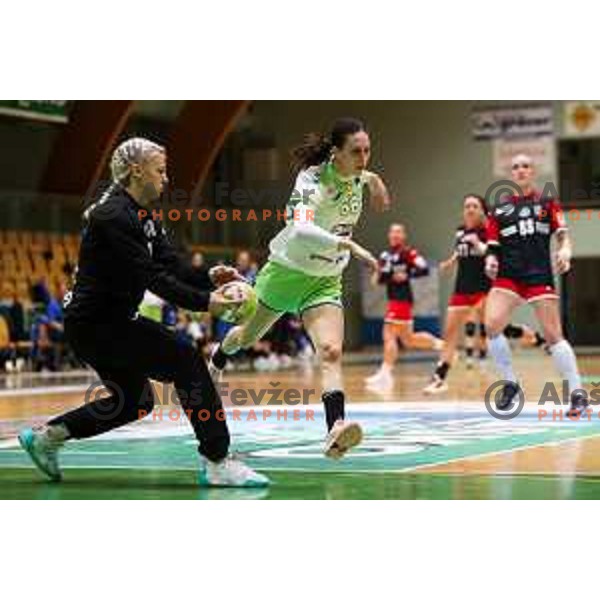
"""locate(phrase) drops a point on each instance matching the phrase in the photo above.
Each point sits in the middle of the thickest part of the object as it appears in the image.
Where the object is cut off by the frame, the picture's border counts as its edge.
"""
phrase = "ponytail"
(316, 148)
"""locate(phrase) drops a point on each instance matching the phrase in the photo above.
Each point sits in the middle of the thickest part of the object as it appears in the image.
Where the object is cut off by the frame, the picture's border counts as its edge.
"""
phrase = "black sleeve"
(166, 254)
(385, 269)
(128, 243)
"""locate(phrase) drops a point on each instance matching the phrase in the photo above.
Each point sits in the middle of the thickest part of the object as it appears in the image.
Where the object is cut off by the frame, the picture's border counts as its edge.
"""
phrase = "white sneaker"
(261, 364)
(343, 436)
(230, 472)
(43, 451)
(285, 361)
(383, 380)
(437, 386)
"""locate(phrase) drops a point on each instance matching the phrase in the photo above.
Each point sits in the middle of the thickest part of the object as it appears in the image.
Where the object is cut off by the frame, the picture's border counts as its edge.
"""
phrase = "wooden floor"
(568, 457)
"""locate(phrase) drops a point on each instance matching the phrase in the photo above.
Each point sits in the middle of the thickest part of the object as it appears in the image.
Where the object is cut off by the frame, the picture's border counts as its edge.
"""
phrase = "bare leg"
(325, 327)
(421, 340)
(455, 320)
(390, 346)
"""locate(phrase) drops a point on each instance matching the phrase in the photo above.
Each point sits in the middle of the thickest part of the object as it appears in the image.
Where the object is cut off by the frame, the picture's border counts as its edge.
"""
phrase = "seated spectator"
(169, 316)
(13, 314)
(191, 331)
(245, 266)
(47, 329)
(198, 275)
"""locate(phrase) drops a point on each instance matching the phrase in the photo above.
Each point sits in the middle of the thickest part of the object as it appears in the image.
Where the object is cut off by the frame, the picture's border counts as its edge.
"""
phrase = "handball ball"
(239, 290)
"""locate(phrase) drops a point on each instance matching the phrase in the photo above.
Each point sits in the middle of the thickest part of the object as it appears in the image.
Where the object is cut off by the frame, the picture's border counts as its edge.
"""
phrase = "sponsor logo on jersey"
(149, 229)
(505, 210)
(525, 212)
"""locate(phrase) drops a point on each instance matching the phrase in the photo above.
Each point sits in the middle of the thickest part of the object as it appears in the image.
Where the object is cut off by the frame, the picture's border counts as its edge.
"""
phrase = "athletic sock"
(441, 370)
(219, 358)
(333, 400)
(566, 364)
(499, 350)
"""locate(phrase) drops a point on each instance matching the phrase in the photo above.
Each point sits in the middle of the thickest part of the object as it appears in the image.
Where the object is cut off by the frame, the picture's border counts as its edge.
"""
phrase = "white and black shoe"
(509, 391)
(230, 472)
(579, 403)
(42, 450)
(437, 386)
(344, 436)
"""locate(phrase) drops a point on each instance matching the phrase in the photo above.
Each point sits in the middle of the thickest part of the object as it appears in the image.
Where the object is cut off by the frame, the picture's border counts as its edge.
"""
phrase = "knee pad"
(331, 352)
(482, 330)
(470, 329)
(513, 332)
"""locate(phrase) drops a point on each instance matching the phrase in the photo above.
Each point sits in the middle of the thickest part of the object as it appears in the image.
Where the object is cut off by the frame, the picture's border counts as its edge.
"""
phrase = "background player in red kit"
(519, 263)
(397, 266)
(471, 285)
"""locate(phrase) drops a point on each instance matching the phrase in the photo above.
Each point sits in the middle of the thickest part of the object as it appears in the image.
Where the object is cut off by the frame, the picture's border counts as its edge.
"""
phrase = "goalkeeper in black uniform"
(123, 253)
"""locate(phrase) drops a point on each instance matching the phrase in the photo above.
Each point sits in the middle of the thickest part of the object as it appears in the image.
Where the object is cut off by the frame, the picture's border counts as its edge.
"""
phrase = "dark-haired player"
(307, 258)
(471, 284)
(397, 266)
(519, 263)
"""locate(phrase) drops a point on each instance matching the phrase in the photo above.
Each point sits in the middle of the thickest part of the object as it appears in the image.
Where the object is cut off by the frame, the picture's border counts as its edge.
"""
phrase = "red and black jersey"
(521, 228)
(404, 260)
(470, 277)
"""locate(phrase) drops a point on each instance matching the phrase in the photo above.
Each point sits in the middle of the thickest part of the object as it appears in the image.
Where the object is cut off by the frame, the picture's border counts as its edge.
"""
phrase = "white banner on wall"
(581, 118)
(512, 121)
(541, 150)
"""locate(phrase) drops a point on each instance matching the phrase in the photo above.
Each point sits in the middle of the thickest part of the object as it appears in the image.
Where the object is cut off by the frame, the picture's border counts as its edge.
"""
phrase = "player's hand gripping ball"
(239, 302)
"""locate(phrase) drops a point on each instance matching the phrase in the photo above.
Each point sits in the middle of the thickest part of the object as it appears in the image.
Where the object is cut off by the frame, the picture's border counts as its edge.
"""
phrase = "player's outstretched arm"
(358, 252)
(378, 193)
(449, 263)
(564, 251)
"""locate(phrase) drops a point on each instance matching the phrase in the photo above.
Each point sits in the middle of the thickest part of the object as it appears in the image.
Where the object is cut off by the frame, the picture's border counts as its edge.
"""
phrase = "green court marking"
(84, 484)
(396, 440)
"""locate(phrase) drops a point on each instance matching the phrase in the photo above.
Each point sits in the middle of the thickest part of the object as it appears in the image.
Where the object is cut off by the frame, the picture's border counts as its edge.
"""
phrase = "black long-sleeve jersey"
(401, 259)
(471, 277)
(122, 255)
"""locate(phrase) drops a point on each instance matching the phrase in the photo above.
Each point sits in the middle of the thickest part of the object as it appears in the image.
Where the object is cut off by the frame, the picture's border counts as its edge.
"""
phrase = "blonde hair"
(132, 151)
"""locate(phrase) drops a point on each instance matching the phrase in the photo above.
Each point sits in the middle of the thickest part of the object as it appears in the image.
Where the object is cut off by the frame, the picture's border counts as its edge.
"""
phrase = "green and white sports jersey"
(323, 205)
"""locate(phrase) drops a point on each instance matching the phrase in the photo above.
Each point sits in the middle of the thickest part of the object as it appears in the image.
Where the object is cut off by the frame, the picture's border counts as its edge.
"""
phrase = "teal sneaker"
(42, 451)
(230, 472)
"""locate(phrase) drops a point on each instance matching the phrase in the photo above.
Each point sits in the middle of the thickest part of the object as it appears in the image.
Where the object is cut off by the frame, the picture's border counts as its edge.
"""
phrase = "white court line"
(498, 453)
(59, 389)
